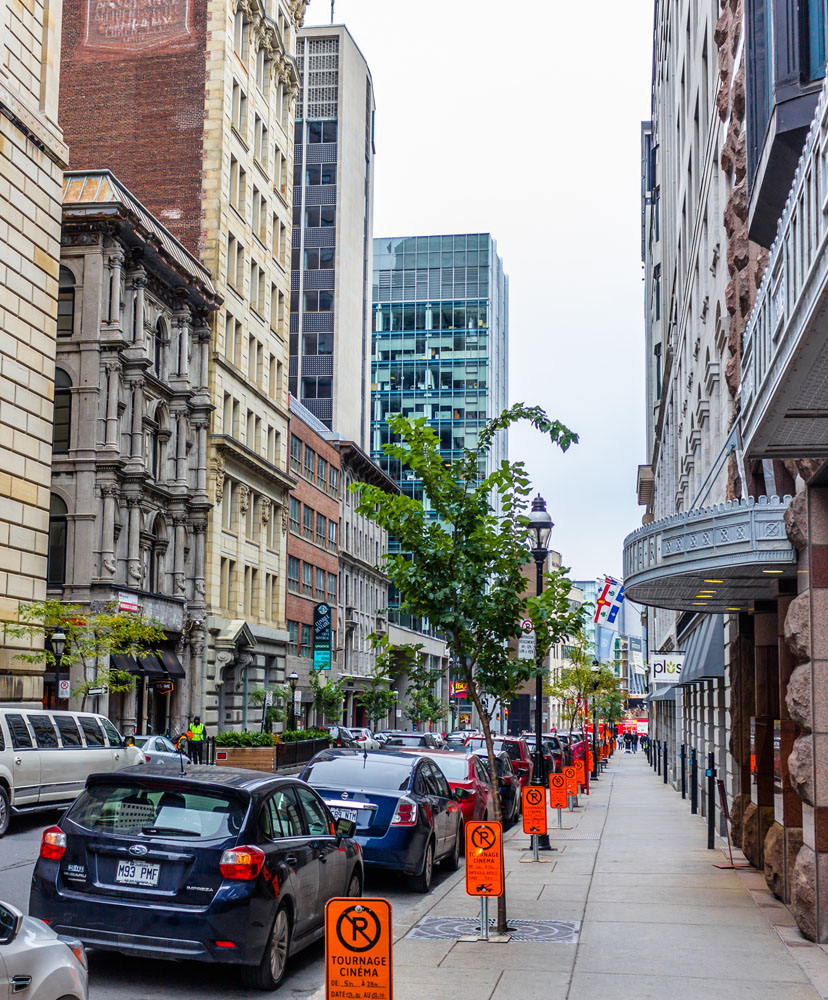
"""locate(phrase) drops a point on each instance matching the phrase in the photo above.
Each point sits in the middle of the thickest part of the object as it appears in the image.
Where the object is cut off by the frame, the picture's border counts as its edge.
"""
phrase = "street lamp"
(540, 527)
(596, 680)
(57, 641)
(293, 677)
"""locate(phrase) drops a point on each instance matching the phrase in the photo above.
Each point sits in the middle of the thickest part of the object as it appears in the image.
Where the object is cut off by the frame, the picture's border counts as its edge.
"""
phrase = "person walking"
(634, 741)
(197, 741)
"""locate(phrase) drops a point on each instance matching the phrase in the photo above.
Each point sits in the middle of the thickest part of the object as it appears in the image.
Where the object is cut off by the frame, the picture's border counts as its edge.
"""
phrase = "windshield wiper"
(169, 829)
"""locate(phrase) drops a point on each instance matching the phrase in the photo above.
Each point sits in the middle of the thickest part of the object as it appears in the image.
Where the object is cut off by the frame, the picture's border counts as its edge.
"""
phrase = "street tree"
(460, 560)
(91, 638)
(327, 698)
(379, 699)
(422, 704)
(275, 711)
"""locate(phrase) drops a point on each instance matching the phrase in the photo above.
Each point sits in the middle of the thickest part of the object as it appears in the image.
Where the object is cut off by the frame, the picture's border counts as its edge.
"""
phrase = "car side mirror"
(461, 794)
(345, 829)
(11, 920)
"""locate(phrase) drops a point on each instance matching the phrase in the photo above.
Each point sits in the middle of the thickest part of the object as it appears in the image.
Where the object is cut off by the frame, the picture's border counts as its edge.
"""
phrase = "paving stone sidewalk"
(653, 918)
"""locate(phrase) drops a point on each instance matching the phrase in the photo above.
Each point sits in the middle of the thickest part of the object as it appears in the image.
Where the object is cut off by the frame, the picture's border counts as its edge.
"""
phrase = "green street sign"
(322, 637)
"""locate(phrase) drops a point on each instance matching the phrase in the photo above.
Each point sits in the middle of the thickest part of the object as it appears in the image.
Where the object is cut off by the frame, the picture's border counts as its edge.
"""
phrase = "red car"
(517, 749)
(464, 770)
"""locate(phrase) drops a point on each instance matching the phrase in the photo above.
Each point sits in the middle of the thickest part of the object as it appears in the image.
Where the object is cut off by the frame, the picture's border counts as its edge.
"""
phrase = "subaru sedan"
(407, 818)
(216, 865)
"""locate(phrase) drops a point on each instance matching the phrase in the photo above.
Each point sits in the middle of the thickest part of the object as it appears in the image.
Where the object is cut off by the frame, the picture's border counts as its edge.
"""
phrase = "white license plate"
(137, 873)
(350, 814)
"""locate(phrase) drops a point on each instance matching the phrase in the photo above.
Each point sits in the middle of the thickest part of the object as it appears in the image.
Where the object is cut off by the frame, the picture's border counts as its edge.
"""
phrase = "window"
(257, 287)
(320, 260)
(332, 535)
(62, 412)
(20, 736)
(293, 638)
(320, 216)
(260, 141)
(320, 173)
(259, 216)
(310, 461)
(235, 265)
(320, 530)
(307, 523)
(44, 730)
(321, 132)
(284, 815)
(239, 110)
(319, 590)
(321, 472)
(262, 71)
(56, 561)
(315, 813)
(295, 454)
(293, 574)
(307, 580)
(295, 507)
(159, 336)
(331, 588)
(238, 185)
(305, 648)
(68, 731)
(92, 731)
(66, 303)
(240, 36)
(333, 481)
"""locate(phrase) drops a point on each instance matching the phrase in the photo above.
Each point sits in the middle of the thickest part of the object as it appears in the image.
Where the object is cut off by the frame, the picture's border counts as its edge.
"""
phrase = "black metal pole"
(139, 713)
(665, 762)
(539, 770)
(694, 782)
(711, 800)
(292, 714)
(658, 758)
(596, 767)
(683, 757)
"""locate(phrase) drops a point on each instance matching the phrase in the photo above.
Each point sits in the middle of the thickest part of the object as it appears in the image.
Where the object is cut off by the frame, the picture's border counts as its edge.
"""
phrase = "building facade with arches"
(129, 501)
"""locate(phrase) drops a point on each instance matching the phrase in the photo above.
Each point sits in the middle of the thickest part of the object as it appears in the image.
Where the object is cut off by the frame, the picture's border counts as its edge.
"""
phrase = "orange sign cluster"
(484, 858)
(358, 957)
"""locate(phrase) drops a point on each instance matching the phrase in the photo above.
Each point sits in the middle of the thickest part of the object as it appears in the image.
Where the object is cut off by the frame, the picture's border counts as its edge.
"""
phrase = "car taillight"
(76, 947)
(147, 758)
(405, 814)
(53, 843)
(242, 863)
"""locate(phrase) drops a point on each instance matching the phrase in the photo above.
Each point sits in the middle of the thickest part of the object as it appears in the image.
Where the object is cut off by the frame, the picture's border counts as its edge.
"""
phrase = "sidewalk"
(657, 920)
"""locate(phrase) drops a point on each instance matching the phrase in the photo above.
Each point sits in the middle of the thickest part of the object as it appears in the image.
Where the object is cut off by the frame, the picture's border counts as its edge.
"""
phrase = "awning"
(171, 663)
(151, 665)
(664, 692)
(120, 661)
(704, 653)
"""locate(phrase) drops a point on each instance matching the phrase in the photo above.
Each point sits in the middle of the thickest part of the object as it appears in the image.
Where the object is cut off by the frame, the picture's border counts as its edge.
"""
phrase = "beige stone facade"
(32, 157)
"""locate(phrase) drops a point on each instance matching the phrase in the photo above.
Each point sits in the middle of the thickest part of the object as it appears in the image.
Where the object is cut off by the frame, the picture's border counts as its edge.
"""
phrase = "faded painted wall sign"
(136, 25)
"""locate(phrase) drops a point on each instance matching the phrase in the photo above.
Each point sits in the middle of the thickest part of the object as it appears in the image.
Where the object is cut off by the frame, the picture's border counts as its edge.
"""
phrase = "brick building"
(312, 545)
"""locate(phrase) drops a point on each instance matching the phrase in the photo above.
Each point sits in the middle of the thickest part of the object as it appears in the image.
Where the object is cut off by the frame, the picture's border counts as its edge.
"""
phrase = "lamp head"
(58, 643)
(293, 677)
(540, 526)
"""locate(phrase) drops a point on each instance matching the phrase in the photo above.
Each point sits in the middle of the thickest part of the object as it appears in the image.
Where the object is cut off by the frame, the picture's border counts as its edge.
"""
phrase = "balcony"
(784, 395)
(714, 559)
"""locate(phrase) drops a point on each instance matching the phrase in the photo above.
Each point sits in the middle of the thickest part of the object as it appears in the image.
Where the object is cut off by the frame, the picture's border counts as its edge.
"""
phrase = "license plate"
(350, 814)
(137, 873)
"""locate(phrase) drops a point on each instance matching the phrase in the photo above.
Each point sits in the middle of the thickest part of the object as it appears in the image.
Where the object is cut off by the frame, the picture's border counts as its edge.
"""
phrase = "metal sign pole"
(484, 918)
(560, 820)
(535, 855)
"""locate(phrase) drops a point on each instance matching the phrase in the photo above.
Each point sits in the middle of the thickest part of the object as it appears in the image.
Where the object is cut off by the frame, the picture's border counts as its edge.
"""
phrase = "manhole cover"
(438, 928)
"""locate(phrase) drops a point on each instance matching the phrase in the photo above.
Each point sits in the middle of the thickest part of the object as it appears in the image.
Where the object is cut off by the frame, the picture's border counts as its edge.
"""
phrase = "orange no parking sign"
(534, 809)
(571, 778)
(484, 858)
(580, 771)
(557, 791)
(358, 959)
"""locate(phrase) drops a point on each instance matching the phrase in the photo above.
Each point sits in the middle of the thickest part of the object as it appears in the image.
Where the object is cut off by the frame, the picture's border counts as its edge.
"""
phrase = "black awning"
(151, 665)
(664, 692)
(171, 663)
(121, 661)
(704, 656)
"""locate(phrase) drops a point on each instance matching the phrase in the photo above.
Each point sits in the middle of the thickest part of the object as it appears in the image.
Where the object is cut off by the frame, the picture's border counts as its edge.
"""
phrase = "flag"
(609, 601)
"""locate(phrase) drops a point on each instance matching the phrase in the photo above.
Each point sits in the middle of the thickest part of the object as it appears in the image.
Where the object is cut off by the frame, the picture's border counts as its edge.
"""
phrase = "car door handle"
(20, 983)
(18, 760)
(323, 857)
(290, 860)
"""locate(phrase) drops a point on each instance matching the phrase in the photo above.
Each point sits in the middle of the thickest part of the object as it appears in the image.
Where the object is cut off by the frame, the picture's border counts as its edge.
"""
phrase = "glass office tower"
(440, 341)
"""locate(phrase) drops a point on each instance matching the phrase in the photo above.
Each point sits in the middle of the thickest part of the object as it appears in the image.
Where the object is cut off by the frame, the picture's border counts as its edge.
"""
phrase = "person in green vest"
(197, 741)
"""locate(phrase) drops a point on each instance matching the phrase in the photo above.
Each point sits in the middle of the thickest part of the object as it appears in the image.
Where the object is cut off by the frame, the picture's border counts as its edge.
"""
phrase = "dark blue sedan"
(214, 864)
(406, 815)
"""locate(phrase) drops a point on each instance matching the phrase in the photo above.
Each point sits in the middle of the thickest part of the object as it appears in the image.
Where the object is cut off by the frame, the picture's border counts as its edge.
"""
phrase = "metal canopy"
(664, 692)
(704, 656)
(171, 663)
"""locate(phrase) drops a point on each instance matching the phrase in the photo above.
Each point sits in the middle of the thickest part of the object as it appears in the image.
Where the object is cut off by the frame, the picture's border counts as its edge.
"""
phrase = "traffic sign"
(580, 772)
(571, 778)
(534, 809)
(527, 626)
(557, 791)
(484, 858)
(358, 958)
(590, 762)
(64, 689)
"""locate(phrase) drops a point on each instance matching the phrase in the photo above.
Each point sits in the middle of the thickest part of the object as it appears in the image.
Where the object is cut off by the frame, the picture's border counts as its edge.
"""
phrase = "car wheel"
(422, 882)
(452, 862)
(5, 811)
(270, 972)
(354, 886)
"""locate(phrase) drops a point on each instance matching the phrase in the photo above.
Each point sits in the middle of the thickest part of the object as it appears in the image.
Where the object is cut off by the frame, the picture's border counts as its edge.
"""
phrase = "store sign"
(322, 637)
(128, 602)
(460, 689)
(665, 668)
(163, 687)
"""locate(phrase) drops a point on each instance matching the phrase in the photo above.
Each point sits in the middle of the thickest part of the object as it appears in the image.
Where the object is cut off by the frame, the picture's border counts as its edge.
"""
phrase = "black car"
(508, 784)
(216, 864)
(398, 738)
(407, 816)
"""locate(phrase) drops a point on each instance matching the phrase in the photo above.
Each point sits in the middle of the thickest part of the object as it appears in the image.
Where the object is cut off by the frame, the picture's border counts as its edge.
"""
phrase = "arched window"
(66, 303)
(158, 347)
(56, 560)
(62, 413)
(155, 557)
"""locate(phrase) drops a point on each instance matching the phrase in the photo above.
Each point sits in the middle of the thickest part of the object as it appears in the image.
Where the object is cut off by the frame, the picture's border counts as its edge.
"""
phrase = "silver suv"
(38, 964)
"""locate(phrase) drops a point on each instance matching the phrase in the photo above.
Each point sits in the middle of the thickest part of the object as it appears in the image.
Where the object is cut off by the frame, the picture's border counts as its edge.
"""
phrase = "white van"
(45, 757)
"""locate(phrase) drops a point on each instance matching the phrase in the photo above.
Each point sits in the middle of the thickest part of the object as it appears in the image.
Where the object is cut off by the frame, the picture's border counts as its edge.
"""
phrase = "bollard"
(694, 782)
(658, 757)
(710, 773)
(665, 762)
(683, 757)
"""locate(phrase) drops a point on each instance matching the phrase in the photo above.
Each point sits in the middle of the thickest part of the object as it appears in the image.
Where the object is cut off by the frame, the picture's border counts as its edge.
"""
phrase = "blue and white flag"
(609, 602)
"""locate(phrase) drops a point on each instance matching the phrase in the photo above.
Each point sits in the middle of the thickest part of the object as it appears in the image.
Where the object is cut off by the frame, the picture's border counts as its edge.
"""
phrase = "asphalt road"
(115, 977)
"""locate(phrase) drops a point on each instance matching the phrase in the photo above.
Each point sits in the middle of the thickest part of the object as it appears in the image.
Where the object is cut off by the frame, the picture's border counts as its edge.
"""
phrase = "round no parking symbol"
(358, 961)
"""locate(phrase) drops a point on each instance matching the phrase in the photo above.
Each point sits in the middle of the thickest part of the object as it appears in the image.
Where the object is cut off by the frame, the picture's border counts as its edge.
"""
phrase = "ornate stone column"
(201, 468)
(182, 342)
(139, 283)
(108, 561)
(112, 389)
(138, 420)
(134, 542)
(181, 449)
(199, 531)
(116, 261)
(180, 543)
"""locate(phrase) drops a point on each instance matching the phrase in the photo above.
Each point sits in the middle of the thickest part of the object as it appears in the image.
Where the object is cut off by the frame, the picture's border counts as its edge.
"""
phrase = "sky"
(523, 120)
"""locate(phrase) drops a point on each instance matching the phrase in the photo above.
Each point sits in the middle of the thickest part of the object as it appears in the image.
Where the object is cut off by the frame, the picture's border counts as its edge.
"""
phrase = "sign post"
(534, 816)
(358, 957)
(557, 795)
(580, 774)
(484, 870)
(570, 776)
(322, 637)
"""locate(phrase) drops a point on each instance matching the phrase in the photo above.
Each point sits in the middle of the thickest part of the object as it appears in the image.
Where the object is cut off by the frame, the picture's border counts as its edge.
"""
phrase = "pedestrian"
(634, 742)
(627, 742)
(197, 741)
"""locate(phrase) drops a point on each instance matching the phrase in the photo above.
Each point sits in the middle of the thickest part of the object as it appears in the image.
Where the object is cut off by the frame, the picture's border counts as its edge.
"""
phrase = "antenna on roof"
(332, 10)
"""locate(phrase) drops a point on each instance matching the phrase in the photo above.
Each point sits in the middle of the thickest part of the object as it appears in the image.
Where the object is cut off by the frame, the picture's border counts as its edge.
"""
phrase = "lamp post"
(57, 642)
(596, 671)
(540, 526)
(293, 677)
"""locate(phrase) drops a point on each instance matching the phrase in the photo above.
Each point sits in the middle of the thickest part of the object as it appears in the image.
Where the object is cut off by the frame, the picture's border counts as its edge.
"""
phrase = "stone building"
(32, 156)
(734, 565)
(129, 503)
(194, 112)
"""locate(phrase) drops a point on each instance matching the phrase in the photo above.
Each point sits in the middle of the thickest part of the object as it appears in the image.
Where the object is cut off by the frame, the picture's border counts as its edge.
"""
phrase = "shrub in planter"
(246, 738)
(296, 735)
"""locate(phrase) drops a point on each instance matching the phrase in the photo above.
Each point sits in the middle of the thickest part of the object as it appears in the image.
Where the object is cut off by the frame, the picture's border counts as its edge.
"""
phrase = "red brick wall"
(132, 101)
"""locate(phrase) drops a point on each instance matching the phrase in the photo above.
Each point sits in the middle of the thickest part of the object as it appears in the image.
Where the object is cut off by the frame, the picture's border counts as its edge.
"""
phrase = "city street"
(113, 977)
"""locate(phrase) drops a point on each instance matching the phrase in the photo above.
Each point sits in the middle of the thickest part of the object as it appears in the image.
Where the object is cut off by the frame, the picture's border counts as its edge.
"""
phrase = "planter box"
(269, 759)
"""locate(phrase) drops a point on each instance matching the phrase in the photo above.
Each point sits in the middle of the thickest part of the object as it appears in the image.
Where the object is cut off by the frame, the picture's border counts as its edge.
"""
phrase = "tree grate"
(440, 928)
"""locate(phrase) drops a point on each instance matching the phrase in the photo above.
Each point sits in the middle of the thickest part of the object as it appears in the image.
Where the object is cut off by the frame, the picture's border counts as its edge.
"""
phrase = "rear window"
(513, 749)
(68, 731)
(454, 768)
(360, 772)
(163, 812)
(405, 741)
(20, 736)
(92, 731)
(44, 731)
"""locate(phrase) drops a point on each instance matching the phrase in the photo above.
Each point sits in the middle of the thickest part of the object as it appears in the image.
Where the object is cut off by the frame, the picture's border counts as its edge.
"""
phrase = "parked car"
(553, 751)
(515, 746)
(217, 865)
(46, 756)
(365, 739)
(464, 770)
(407, 816)
(578, 746)
(37, 964)
(508, 784)
(398, 738)
(159, 750)
(341, 737)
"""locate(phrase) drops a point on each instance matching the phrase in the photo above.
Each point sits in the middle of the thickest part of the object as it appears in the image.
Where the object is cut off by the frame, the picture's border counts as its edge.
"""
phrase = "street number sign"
(557, 791)
(358, 949)
(571, 778)
(580, 772)
(484, 858)
(534, 809)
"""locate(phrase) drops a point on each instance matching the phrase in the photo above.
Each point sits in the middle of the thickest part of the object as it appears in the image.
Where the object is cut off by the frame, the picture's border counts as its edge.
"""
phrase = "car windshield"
(397, 740)
(133, 810)
(513, 749)
(360, 771)
(140, 741)
(454, 768)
